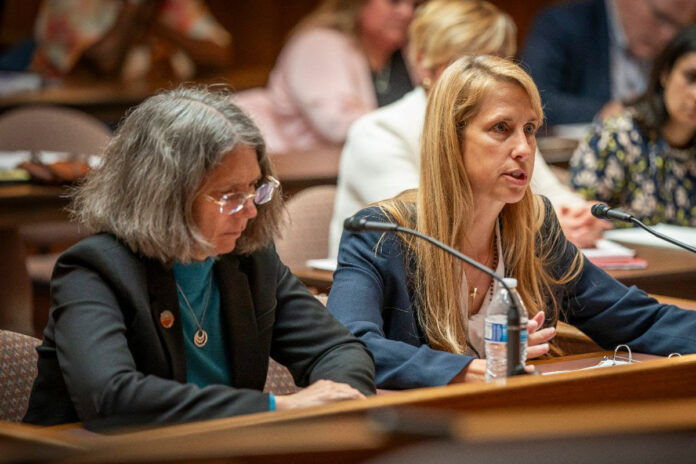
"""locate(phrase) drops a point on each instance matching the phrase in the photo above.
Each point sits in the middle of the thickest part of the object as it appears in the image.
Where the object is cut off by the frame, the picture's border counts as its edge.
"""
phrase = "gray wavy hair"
(153, 167)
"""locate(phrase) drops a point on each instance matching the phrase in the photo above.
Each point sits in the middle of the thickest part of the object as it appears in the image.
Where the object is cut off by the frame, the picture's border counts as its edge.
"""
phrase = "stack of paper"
(324, 264)
(14, 82)
(642, 237)
(611, 255)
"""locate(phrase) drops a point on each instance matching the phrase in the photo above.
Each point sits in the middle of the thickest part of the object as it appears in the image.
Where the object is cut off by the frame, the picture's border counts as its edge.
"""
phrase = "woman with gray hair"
(170, 312)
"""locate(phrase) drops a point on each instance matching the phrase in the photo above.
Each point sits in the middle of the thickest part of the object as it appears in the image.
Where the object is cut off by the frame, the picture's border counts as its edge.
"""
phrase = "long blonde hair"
(443, 30)
(444, 207)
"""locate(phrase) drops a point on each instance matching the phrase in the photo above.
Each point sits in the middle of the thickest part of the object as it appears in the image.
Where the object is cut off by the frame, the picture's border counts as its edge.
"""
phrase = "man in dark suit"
(587, 56)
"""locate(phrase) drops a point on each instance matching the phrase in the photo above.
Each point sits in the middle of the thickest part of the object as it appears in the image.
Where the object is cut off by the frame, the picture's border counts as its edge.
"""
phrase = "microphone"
(602, 211)
(514, 364)
(358, 224)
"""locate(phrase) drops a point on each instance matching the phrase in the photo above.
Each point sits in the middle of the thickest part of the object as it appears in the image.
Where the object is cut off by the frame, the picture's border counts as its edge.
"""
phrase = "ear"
(420, 56)
(423, 72)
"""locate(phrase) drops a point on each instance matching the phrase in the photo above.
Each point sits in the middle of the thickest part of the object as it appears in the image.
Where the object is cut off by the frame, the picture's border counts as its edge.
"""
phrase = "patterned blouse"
(640, 173)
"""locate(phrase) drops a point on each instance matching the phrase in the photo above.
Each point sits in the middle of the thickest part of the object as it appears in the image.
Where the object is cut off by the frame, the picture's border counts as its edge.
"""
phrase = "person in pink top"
(342, 61)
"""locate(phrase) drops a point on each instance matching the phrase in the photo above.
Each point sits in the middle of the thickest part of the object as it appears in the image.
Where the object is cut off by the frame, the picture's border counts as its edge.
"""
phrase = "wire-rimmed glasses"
(231, 203)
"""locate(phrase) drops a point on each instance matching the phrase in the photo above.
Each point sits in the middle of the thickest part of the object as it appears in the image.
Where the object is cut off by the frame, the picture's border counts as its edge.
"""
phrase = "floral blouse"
(640, 173)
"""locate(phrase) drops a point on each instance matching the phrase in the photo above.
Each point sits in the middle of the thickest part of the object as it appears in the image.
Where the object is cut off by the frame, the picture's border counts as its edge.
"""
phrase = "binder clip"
(618, 359)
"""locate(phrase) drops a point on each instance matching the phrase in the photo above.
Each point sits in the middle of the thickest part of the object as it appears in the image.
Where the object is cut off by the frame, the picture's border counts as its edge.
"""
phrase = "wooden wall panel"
(17, 20)
(260, 27)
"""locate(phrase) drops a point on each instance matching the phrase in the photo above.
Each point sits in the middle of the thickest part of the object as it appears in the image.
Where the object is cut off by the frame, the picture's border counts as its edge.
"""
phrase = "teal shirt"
(209, 364)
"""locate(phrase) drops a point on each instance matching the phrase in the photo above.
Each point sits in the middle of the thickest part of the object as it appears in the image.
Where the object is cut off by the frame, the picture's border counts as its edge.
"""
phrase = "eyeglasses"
(231, 203)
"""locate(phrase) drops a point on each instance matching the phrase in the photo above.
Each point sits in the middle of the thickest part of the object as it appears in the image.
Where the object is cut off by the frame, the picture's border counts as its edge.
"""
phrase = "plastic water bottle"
(496, 331)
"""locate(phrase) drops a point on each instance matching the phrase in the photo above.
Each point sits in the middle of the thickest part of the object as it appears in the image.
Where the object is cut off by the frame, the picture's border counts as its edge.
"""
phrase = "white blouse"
(477, 322)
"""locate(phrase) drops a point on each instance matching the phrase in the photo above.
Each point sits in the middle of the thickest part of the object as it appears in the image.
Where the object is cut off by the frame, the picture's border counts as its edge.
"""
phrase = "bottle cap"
(510, 282)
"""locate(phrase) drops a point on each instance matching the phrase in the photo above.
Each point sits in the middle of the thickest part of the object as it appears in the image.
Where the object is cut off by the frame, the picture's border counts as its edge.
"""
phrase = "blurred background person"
(129, 39)
(171, 311)
(589, 56)
(420, 310)
(644, 160)
(381, 157)
(341, 62)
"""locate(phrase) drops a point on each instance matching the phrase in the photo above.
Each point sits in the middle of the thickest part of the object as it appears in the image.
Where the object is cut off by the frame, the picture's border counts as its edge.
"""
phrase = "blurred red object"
(60, 172)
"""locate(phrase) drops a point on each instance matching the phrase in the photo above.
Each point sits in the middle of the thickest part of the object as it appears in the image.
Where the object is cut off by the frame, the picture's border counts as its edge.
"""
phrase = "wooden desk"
(301, 169)
(22, 204)
(315, 278)
(651, 379)
(557, 150)
(108, 99)
(21, 442)
(651, 396)
(670, 272)
(29, 203)
(359, 437)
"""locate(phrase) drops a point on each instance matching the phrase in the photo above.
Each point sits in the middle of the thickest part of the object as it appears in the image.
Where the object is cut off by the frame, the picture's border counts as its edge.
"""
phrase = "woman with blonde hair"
(420, 311)
(341, 62)
(381, 156)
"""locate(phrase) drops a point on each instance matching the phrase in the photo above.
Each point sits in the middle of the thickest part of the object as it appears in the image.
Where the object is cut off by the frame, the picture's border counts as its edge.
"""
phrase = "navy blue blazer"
(371, 295)
(567, 54)
(106, 359)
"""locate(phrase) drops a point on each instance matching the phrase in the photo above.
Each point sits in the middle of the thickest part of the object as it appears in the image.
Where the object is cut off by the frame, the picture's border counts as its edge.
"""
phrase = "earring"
(426, 83)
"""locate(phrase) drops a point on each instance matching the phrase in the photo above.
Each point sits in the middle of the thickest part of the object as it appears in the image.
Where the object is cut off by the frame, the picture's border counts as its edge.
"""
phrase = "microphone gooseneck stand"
(602, 211)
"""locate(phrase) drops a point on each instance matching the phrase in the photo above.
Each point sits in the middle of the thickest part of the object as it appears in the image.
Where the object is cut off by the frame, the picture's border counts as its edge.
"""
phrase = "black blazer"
(106, 359)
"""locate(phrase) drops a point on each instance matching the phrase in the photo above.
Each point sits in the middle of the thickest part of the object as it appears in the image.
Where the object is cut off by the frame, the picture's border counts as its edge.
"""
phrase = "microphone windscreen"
(599, 210)
(354, 224)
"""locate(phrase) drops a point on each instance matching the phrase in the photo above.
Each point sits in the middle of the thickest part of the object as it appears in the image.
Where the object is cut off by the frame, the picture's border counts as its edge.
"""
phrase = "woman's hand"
(320, 392)
(537, 345)
(537, 339)
(475, 371)
(580, 226)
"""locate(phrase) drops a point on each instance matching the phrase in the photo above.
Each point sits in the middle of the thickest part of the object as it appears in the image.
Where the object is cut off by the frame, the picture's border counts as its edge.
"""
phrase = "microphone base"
(518, 370)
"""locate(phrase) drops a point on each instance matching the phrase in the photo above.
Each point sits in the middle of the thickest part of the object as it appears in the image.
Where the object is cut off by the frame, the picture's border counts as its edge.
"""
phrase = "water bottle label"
(496, 332)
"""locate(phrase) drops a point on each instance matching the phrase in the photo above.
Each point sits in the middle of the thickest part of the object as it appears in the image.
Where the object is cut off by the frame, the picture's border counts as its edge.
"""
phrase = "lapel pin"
(166, 319)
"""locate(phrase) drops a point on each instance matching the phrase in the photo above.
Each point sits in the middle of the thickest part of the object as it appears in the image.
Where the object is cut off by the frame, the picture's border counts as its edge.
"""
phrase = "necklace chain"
(494, 251)
(200, 338)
